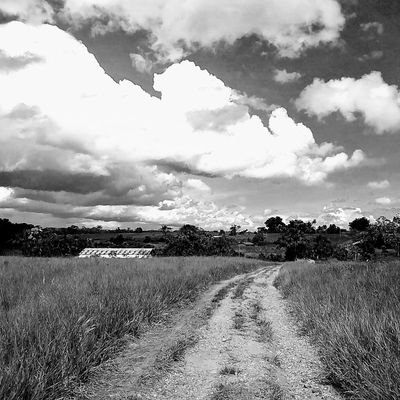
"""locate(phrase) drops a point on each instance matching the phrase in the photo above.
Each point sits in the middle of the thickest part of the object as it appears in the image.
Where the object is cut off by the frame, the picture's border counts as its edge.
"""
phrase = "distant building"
(116, 253)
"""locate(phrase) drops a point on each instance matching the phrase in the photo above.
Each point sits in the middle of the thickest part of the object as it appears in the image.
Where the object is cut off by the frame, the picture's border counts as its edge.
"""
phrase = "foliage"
(385, 233)
(118, 240)
(341, 253)
(276, 257)
(49, 244)
(301, 226)
(258, 239)
(275, 225)
(59, 318)
(9, 231)
(295, 243)
(359, 224)
(333, 229)
(193, 241)
(322, 247)
(352, 312)
(165, 229)
(233, 230)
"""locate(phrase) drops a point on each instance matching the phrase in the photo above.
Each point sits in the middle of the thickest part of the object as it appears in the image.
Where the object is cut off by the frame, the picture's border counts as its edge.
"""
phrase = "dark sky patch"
(179, 167)
(52, 180)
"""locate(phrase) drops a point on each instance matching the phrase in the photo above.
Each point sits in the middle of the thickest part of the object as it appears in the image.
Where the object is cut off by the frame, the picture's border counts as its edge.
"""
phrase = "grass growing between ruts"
(61, 317)
(352, 311)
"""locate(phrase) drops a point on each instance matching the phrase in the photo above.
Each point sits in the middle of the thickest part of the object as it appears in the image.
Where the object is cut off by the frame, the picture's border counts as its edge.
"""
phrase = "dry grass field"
(59, 318)
(352, 312)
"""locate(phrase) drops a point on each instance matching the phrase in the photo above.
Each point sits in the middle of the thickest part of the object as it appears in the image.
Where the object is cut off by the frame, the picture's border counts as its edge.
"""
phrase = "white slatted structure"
(115, 253)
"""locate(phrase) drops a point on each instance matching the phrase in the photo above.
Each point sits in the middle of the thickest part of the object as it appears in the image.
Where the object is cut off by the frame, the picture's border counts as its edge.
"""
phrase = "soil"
(241, 346)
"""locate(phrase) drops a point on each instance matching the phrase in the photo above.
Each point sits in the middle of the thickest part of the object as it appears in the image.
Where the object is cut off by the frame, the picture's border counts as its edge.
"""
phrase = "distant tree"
(366, 246)
(341, 253)
(262, 229)
(298, 224)
(10, 232)
(333, 229)
(189, 229)
(49, 244)
(138, 230)
(221, 232)
(233, 230)
(193, 241)
(73, 229)
(165, 229)
(322, 229)
(258, 239)
(322, 247)
(275, 225)
(360, 224)
(118, 240)
(295, 243)
(384, 234)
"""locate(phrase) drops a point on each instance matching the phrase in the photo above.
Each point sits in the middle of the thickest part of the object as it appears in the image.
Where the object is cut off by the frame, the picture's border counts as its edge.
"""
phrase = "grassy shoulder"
(61, 317)
(352, 312)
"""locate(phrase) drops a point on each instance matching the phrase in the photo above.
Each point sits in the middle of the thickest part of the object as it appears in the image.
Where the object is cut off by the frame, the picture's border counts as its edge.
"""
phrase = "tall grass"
(61, 317)
(352, 311)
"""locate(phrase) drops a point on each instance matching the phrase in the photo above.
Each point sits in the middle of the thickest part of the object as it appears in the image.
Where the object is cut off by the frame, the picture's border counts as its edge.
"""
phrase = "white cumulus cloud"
(282, 76)
(376, 101)
(141, 63)
(5, 193)
(379, 184)
(177, 25)
(197, 185)
(383, 200)
(374, 27)
(196, 124)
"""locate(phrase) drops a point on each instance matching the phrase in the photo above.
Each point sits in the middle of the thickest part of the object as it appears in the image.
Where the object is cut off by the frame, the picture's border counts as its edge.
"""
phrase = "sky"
(143, 113)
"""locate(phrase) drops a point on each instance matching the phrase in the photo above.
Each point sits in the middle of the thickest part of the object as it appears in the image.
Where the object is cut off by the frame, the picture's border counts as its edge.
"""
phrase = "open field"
(352, 312)
(61, 317)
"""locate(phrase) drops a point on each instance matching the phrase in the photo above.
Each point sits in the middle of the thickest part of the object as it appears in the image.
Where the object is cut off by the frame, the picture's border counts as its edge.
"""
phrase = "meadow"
(59, 318)
(352, 312)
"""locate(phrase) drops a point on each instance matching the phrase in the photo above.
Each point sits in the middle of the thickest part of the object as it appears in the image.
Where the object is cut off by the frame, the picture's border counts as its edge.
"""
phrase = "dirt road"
(236, 342)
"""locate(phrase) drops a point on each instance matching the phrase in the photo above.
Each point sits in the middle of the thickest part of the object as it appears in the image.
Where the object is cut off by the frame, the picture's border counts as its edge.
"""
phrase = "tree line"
(297, 239)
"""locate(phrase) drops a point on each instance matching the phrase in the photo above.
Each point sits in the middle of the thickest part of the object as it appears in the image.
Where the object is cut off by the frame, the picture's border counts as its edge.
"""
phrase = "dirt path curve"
(237, 342)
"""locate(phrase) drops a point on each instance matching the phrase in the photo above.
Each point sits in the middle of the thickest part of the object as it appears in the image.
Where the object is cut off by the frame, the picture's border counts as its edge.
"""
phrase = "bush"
(258, 239)
(192, 241)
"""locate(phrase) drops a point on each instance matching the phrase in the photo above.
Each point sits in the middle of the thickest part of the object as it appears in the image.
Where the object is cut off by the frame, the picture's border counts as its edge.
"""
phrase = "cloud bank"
(179, 26)
(62, 115)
